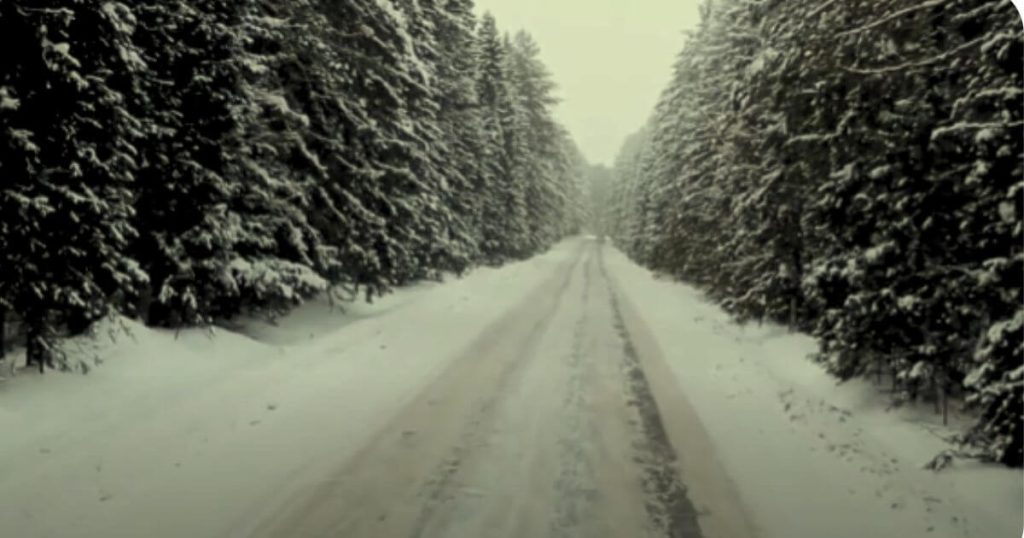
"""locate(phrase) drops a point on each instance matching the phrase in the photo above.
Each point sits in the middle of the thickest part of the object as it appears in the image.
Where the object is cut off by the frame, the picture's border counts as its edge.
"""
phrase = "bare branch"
(891, 16)
(914, 65)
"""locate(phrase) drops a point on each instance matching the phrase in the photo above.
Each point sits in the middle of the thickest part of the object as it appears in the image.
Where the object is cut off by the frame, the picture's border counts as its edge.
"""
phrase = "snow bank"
(812, 458)
(183, 434)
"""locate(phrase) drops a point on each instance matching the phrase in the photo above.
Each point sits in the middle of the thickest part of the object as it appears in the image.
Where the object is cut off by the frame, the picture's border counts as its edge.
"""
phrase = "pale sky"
(610, 59)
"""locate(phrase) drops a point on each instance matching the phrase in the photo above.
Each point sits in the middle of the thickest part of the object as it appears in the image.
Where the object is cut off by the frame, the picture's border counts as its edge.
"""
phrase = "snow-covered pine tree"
(68, 160)
(333, 155)
(771, 99)
(515, 158)
(439, 245)
(250, 154)
(869, 151)
(534, 90)
(223, 218)
(503, 214)
(393, 81)
(281, 258)
(985, 129)
(878, 165)
(190, 170)
(459, 121)
(695, 161)
(900, 245)
(599, 184)
(625, 198)
(568, 207)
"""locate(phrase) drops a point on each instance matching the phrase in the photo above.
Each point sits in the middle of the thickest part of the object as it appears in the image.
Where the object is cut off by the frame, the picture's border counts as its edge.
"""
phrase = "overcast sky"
(610, 58)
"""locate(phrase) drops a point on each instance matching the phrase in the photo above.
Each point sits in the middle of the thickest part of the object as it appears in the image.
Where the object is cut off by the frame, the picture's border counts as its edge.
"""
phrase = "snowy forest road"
(548, 424)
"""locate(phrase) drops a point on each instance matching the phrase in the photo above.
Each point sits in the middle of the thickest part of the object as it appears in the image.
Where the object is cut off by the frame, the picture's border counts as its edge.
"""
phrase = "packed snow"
(182, 433)
(812, 457)
(197, 433)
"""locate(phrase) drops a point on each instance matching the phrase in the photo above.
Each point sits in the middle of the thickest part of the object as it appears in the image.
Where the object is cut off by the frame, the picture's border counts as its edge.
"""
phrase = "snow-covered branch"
(892, 16)
(917, 64)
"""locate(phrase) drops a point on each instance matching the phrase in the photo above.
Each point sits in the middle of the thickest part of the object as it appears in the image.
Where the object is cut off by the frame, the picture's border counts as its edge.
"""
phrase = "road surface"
(572, 394)
(557, 421)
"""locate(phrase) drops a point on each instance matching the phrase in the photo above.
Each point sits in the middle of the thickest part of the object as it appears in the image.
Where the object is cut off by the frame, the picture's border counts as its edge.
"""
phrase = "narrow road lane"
(545, 426)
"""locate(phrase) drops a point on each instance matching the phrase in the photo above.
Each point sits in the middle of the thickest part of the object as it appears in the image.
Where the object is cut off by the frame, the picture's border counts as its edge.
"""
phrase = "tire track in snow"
(438, 489)
(575, 490)
(667, 504)
(401, 482)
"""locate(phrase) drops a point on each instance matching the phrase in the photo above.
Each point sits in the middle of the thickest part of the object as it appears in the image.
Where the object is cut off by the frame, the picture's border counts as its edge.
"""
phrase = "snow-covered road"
(544, 425)
(573, 394)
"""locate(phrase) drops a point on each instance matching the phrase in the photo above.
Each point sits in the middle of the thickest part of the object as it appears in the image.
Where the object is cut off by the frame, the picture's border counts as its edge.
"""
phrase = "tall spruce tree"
(852, 169)
(502, 229)
(68, 161)
(199, 159)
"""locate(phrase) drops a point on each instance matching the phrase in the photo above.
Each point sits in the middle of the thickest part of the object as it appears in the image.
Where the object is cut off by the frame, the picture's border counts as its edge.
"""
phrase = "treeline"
(852, 169)
(183, 161)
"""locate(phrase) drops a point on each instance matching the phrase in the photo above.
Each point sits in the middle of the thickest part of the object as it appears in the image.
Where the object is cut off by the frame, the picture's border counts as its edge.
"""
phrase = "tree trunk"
(34, 347)
(3, 333)
(792, 314)
(797, 260)
(945, 405)
(36, 351)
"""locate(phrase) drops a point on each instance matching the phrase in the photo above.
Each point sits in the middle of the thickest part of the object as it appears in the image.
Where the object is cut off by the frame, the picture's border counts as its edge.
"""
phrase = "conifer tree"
(68, 161)
(853, 169)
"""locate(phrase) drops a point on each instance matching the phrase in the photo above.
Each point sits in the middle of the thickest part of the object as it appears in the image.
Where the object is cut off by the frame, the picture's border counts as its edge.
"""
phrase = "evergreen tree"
(534, 89)
(460, 122)
(192, 163)
(985, 123)
(504, 212)
(194, 160)
(853, 169)
(68, 161)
